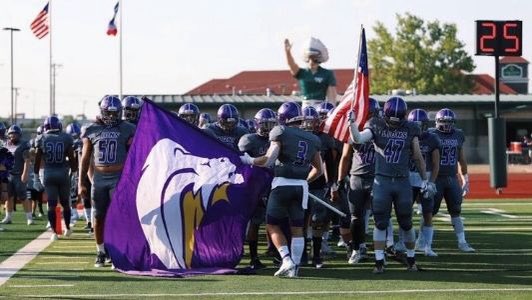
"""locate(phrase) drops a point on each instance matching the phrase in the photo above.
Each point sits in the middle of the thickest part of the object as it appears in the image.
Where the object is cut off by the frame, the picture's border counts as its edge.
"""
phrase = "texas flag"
(183, 201)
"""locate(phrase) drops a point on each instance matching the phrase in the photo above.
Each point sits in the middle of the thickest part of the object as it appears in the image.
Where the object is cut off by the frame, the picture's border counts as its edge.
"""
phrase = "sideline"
(23, 256)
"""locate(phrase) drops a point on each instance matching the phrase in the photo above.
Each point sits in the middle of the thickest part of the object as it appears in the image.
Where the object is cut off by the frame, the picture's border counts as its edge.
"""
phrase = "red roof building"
(281, 82)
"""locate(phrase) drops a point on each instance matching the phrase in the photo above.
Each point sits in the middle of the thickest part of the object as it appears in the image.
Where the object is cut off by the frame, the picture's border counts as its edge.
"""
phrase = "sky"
(172, 46)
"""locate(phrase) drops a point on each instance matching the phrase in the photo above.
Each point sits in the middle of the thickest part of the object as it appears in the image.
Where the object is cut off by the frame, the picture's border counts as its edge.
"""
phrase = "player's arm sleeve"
(361, 137)
(244, 143)
(270, 157)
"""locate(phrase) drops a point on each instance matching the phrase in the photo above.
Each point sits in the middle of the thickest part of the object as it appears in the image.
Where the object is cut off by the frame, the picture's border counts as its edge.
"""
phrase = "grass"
(18, 234)
(501, 268)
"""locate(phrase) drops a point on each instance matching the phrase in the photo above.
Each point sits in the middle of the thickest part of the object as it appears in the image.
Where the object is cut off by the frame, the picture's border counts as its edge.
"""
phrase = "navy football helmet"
(190, 113)
(374, 108)
(228, 117)
(2, 130)
(445, 119)
(14, 133)
(289, 112)
(110, 110)
(311, 119)
(73, 129)
(52, 124)
(420, 117)
(131, 106)
(324, 109)
(265, 120)
(395, 111)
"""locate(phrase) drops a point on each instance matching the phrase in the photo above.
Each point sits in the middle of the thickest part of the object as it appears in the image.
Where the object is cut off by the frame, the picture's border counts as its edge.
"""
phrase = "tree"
(425, 56)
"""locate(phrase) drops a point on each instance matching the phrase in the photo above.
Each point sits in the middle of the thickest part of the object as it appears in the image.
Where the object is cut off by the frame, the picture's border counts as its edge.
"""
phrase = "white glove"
(428, 189)
(37, 185)
(246, 159)
(465, 185)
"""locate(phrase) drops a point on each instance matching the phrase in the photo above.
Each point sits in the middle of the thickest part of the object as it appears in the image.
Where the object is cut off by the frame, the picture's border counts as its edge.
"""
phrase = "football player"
(19, 174)
(54, 147)
(451, 155)
(131, 106)
(297, 159)
(429, 144)
(396, 141)
(106, 141)
(256, 144)
(204, 120)
(6, 164)
(319, 215)
(226, 129)
(361, 158)
(190, 113)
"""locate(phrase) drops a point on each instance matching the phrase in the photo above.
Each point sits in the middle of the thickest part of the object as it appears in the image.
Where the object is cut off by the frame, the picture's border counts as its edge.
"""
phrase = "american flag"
(111, 28)
(40, 25)
(355, 98)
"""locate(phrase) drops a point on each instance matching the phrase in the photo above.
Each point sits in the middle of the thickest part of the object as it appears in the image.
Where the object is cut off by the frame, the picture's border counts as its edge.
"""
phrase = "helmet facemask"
(110, 116)
(228, 124)
(131, 114)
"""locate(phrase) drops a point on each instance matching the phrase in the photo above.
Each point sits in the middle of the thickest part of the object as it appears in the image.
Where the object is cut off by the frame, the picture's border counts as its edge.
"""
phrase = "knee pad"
(404, 222)
(381, 221)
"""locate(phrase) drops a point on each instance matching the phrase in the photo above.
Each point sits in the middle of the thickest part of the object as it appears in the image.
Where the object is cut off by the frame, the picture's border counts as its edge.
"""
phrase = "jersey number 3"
(302, 150)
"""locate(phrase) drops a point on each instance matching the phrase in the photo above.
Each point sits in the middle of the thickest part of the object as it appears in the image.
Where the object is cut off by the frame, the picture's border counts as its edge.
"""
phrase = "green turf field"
(18, 234)
(501, 231)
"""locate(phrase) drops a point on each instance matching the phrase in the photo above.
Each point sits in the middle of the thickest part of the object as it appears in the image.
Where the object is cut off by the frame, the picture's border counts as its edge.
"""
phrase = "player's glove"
(428, 189)
(37, 185)
(246, 159)
(465, 185)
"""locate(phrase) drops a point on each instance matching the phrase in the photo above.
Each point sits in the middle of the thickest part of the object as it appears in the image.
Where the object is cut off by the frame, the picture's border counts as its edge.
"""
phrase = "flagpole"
(52, 104)
(120, 47)
(356, 68)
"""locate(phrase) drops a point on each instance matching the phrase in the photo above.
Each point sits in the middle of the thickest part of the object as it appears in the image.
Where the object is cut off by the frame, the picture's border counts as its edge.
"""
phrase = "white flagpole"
(52, 104)
(121, 28)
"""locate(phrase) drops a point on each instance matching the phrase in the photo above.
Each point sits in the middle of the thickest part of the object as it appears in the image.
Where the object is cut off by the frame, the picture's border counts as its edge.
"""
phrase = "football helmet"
(289, 112)
(73, 129)
(374, 108)
(52, 124)
(311, 119)
(228, 117)
(445, 119)
(190, 113)
(14, 133)
(324, 109)
(395, 111)
(131, 106)
(2, 130)
(110, 110)
(265, 120)
(420, 117)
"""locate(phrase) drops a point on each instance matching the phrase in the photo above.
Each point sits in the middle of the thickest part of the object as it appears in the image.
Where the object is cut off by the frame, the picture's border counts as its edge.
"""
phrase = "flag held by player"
(355, 98)
(182, 203)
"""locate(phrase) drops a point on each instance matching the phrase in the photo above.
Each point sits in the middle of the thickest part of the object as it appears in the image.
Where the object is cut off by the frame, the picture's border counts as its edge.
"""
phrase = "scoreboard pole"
(497, 141)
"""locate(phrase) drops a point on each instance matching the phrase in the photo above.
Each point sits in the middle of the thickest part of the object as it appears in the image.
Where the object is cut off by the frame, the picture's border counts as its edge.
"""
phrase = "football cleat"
(67, 232)
(411, 264)
(355, 258)
(293, 273)
(379, 267)
(256, 264)
(286, 267)
(30, 222)
(100, 260)
(6, 220)
(465, 247)
(317, 262)
(54, 237)
(430, 253)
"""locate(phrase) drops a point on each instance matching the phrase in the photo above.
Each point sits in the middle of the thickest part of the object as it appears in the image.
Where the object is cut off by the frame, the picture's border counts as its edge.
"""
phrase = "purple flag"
(182, 203)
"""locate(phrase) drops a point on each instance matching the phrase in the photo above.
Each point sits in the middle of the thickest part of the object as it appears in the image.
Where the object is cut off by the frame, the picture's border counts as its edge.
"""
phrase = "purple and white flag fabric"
(182, 203)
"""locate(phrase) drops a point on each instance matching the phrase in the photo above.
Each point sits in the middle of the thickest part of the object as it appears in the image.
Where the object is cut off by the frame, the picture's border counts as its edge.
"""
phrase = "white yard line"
(18, 260)
(410, 291)
(498, 212)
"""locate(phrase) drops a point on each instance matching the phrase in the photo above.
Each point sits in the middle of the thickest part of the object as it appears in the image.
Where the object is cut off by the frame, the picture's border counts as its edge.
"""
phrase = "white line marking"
(62, 263)
(283, 293)
(498, 212)
(18, 260)
(502, 203)
(40, 285)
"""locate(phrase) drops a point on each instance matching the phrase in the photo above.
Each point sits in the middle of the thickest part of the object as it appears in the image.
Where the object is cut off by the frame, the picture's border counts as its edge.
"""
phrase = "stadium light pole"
(12, 29)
